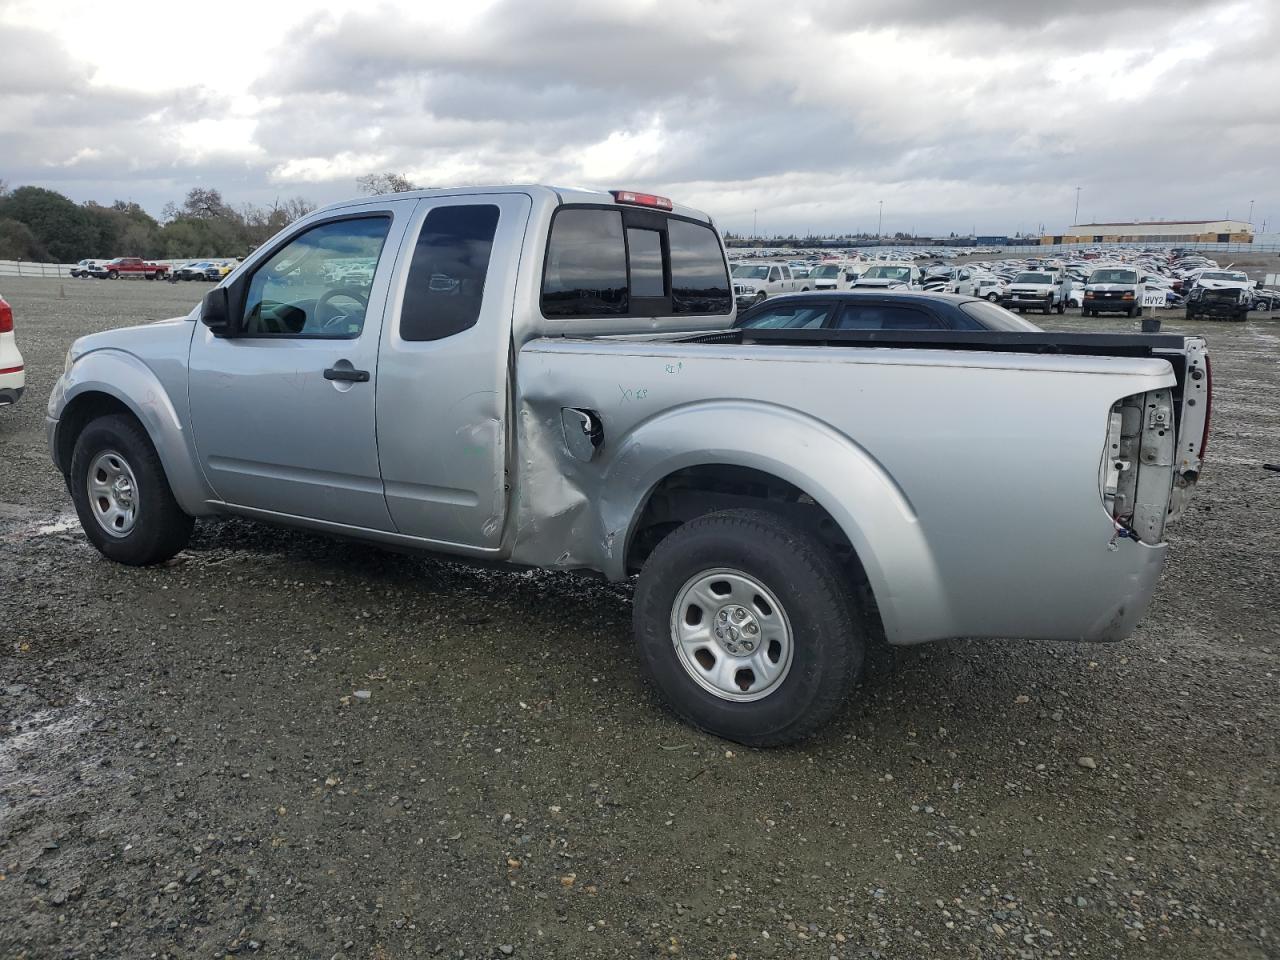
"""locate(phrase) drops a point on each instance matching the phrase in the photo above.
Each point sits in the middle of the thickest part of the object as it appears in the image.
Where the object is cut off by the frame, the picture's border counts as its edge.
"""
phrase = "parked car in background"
(830, 276)
(13, 373)
(85, 268)
(1113, 290)
(876, 310)
(196, 270)
(1042, 290)
(130, 267)
(1227, 302)
(755, 282)
(890, 276)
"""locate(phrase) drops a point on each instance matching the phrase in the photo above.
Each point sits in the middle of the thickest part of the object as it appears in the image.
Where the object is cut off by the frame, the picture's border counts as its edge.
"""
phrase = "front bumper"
(1107, 304)
(1217, 308)
(1011, 301)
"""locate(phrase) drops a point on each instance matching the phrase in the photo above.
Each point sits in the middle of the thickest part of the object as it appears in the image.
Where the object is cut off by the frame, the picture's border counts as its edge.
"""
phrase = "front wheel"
(744, 623)
(993, 297)
(112, 275)
(122, 495)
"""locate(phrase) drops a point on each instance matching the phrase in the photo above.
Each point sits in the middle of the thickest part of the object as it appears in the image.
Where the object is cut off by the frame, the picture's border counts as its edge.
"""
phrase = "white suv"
(13, 375)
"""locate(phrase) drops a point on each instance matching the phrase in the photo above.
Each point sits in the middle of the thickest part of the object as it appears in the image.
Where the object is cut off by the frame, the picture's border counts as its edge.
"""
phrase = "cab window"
(317, 286)
(445, 286)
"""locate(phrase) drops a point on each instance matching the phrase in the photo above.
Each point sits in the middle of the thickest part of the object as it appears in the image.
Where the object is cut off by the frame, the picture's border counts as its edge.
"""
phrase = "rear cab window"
(610, 262)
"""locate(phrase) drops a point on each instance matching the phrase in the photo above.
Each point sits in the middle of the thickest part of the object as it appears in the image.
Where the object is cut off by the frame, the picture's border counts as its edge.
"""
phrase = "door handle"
(346, 373)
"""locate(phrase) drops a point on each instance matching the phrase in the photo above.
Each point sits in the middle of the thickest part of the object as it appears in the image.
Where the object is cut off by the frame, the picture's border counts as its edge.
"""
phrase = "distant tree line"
(43, 225)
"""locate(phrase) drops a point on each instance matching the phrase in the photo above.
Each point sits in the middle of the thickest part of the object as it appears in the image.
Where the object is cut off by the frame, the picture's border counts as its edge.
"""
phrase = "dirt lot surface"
(190, 765)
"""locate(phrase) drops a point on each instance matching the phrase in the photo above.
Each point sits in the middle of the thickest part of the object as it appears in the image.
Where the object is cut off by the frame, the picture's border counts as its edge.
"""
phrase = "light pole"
(755, 231)
(1250, 211)
(880, 222)
(1076, 218)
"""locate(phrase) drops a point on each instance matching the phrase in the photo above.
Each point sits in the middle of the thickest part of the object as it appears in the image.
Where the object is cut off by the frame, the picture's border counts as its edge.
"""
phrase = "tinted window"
(318, 284)
(445, 287)
(698, 281)
(586, 271)
(790, 316)
(876, 316)
(645, 249)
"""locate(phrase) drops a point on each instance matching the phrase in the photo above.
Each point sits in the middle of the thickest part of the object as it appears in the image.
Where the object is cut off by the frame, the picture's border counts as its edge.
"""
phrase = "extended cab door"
(283, 411)
(442, 372)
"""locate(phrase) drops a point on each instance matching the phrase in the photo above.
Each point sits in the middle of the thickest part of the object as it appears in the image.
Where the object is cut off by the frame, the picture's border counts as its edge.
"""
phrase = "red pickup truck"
(129, 267)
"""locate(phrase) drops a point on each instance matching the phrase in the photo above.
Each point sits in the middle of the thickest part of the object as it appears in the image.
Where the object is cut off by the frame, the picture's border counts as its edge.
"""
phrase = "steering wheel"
(352, 292)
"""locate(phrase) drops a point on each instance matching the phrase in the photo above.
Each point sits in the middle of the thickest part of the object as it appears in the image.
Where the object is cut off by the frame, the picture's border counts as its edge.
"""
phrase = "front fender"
(125, 378)
(868, 505)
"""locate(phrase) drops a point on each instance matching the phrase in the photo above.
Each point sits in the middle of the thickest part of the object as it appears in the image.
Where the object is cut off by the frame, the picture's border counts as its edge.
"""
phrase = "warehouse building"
(1156, 231)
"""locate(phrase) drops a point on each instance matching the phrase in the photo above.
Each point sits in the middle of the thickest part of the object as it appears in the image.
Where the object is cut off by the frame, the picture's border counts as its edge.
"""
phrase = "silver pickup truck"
(545, 377)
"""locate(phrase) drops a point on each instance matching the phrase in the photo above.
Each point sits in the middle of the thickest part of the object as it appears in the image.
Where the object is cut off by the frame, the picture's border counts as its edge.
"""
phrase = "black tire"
(112, 275)
(161, 529)
(993, 297)
(809, 584)
(1191, 315)
(1137, 311)
(761, 297)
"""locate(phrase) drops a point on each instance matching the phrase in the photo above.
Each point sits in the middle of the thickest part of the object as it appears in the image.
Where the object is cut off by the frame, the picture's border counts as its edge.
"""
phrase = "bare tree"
(379, 183)
(204, 203)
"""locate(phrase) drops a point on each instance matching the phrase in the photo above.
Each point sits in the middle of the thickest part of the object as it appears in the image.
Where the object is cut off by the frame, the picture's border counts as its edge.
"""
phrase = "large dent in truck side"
(577, 514)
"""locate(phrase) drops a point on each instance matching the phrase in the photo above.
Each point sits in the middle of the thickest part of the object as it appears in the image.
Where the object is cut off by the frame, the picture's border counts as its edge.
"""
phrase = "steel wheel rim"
(731, 635)
(113, 493)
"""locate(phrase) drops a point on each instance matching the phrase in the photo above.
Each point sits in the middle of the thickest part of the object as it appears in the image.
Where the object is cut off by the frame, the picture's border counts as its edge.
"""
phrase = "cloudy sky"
(982, 113)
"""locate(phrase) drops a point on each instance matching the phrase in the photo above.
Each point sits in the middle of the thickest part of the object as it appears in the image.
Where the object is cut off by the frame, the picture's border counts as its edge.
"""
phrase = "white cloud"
(983, 114)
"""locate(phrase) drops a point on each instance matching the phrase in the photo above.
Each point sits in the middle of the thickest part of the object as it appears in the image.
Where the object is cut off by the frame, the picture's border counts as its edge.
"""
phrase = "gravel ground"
(283, 746)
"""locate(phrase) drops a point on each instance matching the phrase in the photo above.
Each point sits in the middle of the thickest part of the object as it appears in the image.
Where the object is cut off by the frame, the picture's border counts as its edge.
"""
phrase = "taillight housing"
(641, 199)
(1208, 407)
(6, 317)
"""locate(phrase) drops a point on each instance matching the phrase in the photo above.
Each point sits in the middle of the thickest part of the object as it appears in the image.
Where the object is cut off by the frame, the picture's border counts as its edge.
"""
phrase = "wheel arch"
(109, 382)
(745, 453)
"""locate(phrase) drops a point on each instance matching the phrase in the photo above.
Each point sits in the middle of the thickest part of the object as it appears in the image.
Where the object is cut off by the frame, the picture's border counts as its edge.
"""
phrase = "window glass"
(445, 286)
(645, 248)
(988, 316)
(786, 273)
(586, 271)
(318, 284)
(876, 316)
(790, 316)
(698, 281)
(774, 274)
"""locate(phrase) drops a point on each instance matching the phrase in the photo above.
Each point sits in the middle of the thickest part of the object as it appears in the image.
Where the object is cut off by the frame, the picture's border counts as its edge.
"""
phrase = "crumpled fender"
(126, 378)
(869, 506)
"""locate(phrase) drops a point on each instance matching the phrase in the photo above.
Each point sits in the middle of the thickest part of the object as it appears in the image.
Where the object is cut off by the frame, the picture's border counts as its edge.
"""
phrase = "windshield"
(888, 273)
(825, 272)
(1211, 275)
(746, 271)
(993, 317)
(1113, 276)
(1033, 278)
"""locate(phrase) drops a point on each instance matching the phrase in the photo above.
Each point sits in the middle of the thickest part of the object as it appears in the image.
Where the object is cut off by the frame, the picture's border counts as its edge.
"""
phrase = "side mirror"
(218, 312)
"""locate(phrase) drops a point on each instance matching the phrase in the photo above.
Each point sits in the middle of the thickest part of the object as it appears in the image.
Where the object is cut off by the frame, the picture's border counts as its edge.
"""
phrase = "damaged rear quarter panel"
(967, 483)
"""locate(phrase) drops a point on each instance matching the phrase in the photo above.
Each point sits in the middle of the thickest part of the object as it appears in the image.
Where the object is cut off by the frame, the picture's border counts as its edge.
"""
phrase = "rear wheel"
(122, 495)
(993, 297)
(744, 623)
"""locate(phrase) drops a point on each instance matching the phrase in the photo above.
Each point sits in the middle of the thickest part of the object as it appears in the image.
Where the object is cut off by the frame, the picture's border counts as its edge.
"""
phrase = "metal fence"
(28, 268)
(25, 268)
